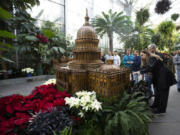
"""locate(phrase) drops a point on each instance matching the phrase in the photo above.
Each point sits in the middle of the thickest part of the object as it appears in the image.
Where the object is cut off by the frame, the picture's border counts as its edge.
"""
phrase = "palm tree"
(110, 23)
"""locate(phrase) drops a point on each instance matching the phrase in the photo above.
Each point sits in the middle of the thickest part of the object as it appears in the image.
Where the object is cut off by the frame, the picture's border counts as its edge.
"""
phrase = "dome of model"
(86, 31)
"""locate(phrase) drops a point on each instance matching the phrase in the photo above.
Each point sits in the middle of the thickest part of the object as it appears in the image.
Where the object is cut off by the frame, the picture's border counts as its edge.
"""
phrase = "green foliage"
(166, 28)
(90, 127)
(6, 34)
(156, 39)
(66, 131)
(58, 43)
(4, 14)
(174, 17)
(130, 116)
(48, 33)
(140, 37)
(111, 22)
(5, 46)
(167, 32)
(6, 59)
(19, 4)
(142, 16)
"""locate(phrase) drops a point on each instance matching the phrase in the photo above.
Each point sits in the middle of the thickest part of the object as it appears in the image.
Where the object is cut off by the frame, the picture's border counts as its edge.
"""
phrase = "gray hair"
(152, 46)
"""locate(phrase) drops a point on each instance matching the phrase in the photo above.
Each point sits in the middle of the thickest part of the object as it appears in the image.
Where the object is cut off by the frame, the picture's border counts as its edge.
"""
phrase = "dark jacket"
(136, 63)
(170, 64)
(162, 77)
(103, 59)
(162, 56)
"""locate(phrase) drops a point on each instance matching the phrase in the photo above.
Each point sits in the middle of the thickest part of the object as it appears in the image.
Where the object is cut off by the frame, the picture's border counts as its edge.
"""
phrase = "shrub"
(48, 122)
(17, 110)
(130, 116)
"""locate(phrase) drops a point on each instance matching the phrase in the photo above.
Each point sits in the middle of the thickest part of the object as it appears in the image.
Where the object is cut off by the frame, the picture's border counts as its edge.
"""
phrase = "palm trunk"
(110, 42)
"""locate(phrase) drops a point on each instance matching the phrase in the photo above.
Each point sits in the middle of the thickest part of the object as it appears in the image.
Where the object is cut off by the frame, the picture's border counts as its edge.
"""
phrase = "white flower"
(50, 81)
(86, 108)
(72, 101)
(28, 70)
(96, 105)
(81, 114)
(85, 101)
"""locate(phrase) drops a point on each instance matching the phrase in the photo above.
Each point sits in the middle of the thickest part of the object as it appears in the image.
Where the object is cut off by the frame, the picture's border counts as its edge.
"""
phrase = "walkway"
(168, 124)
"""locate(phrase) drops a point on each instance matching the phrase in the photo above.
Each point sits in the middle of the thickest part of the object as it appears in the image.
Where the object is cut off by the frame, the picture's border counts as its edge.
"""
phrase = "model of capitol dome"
(86, 71)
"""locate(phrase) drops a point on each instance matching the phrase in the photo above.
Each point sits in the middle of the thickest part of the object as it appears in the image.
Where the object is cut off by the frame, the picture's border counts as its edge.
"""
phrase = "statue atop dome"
(86, 18)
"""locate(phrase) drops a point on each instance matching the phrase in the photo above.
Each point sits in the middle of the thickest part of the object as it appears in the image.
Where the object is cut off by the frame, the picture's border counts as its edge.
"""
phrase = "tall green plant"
(140, 37)
(142, 16)
(58, 42)
(4, 34)
(4, 37)
(130, 116)
(111, 22)
(167, 29)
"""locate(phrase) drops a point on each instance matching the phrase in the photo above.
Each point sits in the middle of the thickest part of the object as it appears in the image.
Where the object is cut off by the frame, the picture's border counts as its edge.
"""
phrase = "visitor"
(176, 61)
(162, 79)
(170, 64)
(148, 76)
(136, 66)
(128, 61)
(152, 49)
(103, 57)
(109, 56)
(117, 59)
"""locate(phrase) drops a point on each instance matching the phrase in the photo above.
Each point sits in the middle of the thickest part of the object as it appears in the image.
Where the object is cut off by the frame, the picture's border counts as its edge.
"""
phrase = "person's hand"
(129, 62)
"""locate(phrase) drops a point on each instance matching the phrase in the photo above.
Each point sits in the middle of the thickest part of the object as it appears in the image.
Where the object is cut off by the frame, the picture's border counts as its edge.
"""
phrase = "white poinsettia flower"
(28, 70)
(85, 99)
(50, 81)
(96, 105)
(72, 102)
(81, 114)
(86, 108)
(84, 102)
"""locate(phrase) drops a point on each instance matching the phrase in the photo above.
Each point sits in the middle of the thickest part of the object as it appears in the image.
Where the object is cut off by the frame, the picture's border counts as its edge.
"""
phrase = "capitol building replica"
(86, 71)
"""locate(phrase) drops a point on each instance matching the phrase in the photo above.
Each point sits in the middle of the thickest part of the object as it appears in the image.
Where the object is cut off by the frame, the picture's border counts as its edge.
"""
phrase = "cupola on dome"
(86, 31)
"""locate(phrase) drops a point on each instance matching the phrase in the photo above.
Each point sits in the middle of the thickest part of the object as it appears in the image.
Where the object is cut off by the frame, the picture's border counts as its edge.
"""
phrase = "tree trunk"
(5, 73)
(110, 42)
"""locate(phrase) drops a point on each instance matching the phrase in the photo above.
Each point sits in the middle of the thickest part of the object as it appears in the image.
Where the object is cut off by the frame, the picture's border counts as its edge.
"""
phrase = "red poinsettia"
(42, 39)
(17, 110)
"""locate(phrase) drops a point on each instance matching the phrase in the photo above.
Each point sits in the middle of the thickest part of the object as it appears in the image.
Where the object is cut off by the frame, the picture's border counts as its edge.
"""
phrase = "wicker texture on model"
(86, 71)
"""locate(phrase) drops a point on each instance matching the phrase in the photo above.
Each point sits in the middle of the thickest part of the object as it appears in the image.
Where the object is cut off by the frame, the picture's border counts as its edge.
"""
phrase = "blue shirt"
(127, 58)
(136, 63)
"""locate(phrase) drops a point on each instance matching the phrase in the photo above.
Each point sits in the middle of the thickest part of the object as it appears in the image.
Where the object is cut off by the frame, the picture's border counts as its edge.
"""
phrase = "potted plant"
(28, 71)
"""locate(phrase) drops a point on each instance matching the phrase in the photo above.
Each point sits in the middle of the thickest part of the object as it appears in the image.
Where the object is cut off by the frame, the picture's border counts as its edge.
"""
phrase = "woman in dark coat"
(162, 79)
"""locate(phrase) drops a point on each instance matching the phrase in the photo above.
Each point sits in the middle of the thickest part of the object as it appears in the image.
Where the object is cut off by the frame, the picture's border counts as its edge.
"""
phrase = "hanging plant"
(142, 16)
(166, 28)
(162, 6)
(174, 17)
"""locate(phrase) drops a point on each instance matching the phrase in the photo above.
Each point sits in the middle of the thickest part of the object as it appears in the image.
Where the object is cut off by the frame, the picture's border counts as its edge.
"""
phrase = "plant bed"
(17, 110)
(48, 111)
